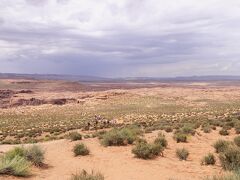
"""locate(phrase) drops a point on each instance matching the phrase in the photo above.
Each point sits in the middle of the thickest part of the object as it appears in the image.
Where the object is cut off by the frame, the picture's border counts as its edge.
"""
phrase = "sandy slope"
(118, 163)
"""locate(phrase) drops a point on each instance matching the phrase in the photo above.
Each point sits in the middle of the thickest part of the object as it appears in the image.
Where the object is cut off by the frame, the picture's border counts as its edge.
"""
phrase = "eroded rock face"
(37, 102)
(8, 98)
(25, 91)
(61, 101)
(26, 102)
(4, 94)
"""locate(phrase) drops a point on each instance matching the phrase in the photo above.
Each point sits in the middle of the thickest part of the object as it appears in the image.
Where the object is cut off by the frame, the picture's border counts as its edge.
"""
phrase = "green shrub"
(15, 166)
(188, 129)
(157, 149)
(113, 138)
(17, 151)
(223, 132)
(120, 137)
(140, 140)
(221, 145)
(237, 141)
(180, 137)
(75, 136)
(129, 134)
(35, 155)
(162, 141)
(83, 175)
(80, 149)
(208, 159)
(145, 150)
(230, 158)
(182, 154)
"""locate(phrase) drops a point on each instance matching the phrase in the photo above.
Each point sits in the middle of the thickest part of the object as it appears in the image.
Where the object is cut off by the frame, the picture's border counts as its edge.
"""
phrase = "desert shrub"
(216, 123)
(168, 129)
(188, 129)
(230, 124)
(15, 166)
(145, 150)
(140, 140)
(83, 175)
(180, 137)
(113, 138)
(214, 127)
(229, 176)
(224, 132)
(237, 128)
(230, 158)
(35, 155)
(162, 141)
(237, 141)
(182, 154)
(99, 134)
(17, 151)
(148, 130)
(74, 136)
(196, 125)
(130, 134)
(120, 137)
(208, 159)
(80, 149)
(207, 129)
(221, 145)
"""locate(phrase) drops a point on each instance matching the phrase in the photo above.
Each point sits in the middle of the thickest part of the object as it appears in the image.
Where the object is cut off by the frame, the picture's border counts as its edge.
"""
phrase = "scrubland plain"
(120, 130)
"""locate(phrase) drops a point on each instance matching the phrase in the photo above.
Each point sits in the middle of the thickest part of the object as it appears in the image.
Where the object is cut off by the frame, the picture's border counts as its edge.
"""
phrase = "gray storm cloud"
(120, 37)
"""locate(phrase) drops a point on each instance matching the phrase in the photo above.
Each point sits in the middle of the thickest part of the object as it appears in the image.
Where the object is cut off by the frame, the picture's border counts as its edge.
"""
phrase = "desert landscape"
(120, 130)
(119, 90)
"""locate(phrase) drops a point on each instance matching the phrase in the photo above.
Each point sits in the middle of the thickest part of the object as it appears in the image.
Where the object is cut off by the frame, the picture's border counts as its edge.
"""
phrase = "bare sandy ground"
(117, 163)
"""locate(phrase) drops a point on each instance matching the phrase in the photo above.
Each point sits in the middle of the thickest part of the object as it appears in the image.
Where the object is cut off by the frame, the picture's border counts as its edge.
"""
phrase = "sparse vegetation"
(182, 154)
(109, 116)
(161, 140)
(74, 136)
(84, 175)
(15, 166)
(35, 155)
(230, 176)
(237, 141)
(230, 158)
(188, 129)
(145, 150)
(17, 161)
(180, 137)
(207, 128)
(221, 145)
(120, 137)
(224, 132)
(208, 159)
(80, 150)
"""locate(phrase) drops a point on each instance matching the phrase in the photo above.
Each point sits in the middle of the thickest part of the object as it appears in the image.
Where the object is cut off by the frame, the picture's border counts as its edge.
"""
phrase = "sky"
(120, 38)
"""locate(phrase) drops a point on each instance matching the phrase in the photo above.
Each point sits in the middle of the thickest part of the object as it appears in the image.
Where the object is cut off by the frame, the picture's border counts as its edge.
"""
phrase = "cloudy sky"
(120, 38)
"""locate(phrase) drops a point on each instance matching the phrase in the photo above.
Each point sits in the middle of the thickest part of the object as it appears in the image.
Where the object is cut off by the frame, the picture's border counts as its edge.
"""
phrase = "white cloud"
(146, 37)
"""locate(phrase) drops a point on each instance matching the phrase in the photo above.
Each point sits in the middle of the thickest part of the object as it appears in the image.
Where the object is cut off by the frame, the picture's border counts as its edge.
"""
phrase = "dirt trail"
(118, 163)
